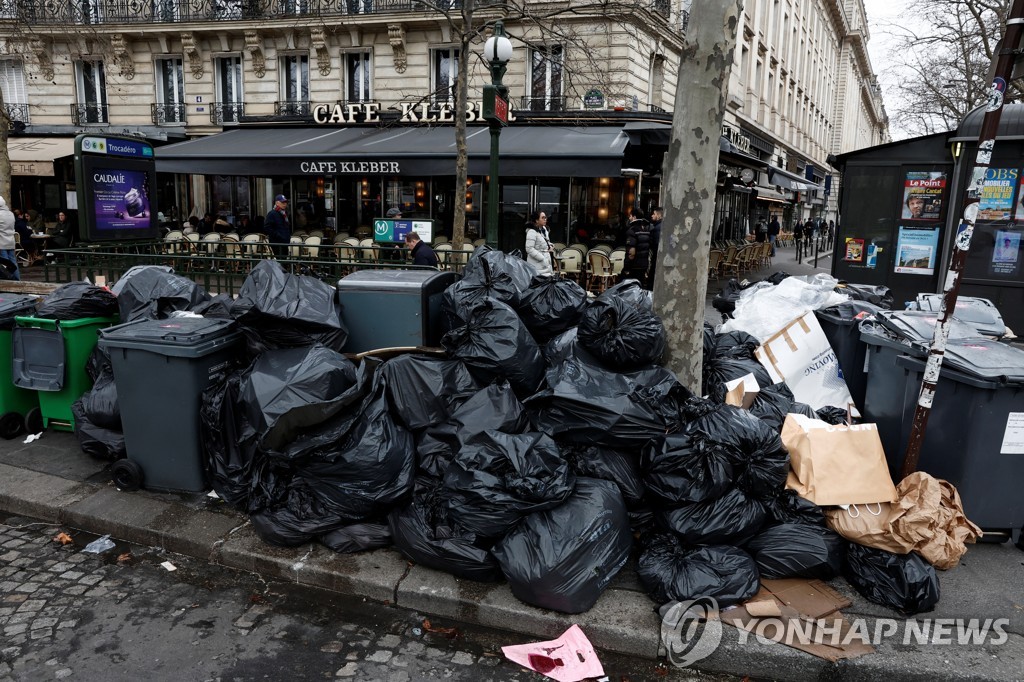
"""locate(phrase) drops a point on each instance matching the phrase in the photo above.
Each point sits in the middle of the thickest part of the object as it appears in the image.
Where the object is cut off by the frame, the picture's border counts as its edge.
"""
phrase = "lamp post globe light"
(497, 52)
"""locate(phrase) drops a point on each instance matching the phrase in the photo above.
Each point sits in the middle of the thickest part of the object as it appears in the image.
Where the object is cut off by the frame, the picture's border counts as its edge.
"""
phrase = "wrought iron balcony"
(85, 114)
(293, 108)
(168, 114)
(16, 112)
(68, 12)
(226, 112)
(663, 7)
(542, 104)
(684, 21)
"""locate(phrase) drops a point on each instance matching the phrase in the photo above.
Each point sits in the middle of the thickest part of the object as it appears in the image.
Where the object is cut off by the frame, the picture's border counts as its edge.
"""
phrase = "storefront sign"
(39, 168)
(343, 167)
(409, 112)
(737, 138)
(395, 230)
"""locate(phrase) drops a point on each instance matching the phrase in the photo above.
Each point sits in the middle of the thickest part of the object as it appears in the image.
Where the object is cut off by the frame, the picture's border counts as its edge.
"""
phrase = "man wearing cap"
(394, 213)
(277, 227)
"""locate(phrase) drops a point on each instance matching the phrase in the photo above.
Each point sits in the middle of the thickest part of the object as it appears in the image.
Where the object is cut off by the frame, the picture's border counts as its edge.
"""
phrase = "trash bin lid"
(388, 280)
(978, 312)
(918, 326)
(986, 359)
(175, 331)
(848, 312)
(15, 305)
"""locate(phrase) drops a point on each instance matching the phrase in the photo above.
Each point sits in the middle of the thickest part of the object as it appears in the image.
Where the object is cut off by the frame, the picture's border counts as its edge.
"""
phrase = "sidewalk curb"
(623, 621)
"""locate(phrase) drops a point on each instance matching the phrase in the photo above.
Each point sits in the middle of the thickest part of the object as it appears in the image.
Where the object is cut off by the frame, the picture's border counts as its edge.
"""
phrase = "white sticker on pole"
(1013, 436)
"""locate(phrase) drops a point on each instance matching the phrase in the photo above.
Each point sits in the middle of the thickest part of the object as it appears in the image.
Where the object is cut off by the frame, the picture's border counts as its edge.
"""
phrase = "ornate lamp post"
(497, 52)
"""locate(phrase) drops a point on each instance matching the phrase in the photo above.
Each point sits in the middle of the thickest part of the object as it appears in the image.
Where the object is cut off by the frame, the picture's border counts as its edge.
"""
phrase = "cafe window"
(445, 72)
(358, 76)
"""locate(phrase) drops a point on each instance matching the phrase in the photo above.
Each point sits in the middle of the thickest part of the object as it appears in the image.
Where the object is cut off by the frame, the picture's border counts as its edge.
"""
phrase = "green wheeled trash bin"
(161, 368)
(19, 408)
(50, 357)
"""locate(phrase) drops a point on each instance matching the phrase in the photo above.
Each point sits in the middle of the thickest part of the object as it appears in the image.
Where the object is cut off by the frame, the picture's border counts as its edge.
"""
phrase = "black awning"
(561, 151)
(791, 181)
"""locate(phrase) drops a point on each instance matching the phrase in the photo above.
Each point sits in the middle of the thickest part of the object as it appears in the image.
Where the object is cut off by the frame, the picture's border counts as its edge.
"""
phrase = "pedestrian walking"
(7, 241)
(538, 246)
(638, 247)
(657, 216)
(773, 232)
(422, 253)
(277, 227)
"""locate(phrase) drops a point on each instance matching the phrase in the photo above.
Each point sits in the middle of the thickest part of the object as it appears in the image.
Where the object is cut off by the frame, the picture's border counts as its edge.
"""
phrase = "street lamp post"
(497, 52)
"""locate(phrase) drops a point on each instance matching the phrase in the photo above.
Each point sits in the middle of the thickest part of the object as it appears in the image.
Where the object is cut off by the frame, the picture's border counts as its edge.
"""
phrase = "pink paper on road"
(570, 658)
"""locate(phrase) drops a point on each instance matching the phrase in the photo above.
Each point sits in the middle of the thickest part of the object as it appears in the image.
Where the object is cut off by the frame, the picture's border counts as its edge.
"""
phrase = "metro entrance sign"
(395, 230)
(495, 106)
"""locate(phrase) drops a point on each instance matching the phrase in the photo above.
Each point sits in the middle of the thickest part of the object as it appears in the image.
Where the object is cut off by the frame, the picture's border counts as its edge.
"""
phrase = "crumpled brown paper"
(927, 518)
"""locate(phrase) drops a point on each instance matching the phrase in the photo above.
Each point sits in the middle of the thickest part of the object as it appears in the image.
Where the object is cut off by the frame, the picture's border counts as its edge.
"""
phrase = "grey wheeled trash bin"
(161, 368)
(980, 313)
(392, 308)
(975, 433)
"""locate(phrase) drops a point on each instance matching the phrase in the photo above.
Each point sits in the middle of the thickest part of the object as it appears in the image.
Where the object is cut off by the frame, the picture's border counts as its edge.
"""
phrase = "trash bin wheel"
(126, 474)
(11, 425)
(34, 421)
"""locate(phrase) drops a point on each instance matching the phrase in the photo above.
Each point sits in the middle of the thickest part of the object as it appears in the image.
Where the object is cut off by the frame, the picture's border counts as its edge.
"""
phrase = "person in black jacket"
(422, 254)
(277, 227)
(638, 247)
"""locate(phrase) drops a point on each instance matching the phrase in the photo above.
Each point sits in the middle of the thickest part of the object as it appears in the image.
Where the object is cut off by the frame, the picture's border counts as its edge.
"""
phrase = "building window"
(295, 78)
(359, 76)
(12, 84)
(446, 70)
(229, 88)
(546, 78)
(92, 92)
(88, 11)
(170, 91)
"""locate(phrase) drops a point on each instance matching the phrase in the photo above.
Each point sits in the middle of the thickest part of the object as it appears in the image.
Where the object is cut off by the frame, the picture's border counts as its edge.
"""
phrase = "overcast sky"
(882, 14)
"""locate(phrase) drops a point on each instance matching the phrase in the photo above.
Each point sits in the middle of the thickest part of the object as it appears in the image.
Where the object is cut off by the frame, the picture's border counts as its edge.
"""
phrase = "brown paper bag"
(833, 465)
(928, 518)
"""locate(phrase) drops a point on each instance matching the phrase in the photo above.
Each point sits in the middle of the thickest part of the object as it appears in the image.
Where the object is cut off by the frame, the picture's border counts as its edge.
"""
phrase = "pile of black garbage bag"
(546, 446)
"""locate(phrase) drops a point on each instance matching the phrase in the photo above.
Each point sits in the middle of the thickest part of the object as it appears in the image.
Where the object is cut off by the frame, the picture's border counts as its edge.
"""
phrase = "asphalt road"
(121, 615)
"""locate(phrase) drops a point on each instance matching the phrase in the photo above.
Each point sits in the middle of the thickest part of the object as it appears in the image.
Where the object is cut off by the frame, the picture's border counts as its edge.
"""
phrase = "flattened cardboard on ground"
(810, 608)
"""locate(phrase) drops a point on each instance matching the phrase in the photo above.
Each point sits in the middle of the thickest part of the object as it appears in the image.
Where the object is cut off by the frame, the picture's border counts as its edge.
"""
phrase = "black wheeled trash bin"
(161, 368)
(980, 313)
(975, 433)
(841, 326)
(393, 308)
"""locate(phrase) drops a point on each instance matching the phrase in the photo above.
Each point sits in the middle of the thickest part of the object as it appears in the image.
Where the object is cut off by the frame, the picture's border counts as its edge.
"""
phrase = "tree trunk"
(5, 156)
(690, 173)
(461, 154)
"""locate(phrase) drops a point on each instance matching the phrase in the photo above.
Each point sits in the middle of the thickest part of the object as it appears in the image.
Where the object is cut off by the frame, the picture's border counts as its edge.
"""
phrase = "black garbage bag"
(772, 404)
(564, 558)
(679, 469)
(422, 532)
(720, 370)
(152, 294)
(100, 401)
(622, 334)
(641, 519)
(737, 345)
(496, 344)
(586, 403)
(760, 460)
(904, 582)
(488, 274)
(492, 408)
(788, 507)
(671, 571)
(804, 409)
(7, 269)
(798, 550)
(296, 521)
(731, 519)
(423, 391)
(551, 306)
(632, 293)
(228, 442)
(725, 300)
(96, 441)
(621, 468)
(358, 537)
(878, 295)
(275, 309)
(777, 277)
(832, 415)
(76, 300)
(491, 264)
(499, 478)
(218, 307)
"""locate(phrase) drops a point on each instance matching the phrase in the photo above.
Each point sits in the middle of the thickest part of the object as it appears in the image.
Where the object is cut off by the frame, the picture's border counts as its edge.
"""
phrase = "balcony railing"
(84, 114)
(663, 7)
(168, 114)
(66, 12)
(293, 108)
(226, 112)
(16, 112)
(542, 104)
(684, 21)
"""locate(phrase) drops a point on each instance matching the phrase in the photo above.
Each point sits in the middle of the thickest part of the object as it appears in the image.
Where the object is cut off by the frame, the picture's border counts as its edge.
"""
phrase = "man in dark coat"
(422, 254)
(638, 247)
(773, 232)
(277, 227)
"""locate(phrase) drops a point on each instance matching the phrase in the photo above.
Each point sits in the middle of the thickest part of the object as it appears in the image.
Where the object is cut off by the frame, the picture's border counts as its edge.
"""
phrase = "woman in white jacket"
(538, 246)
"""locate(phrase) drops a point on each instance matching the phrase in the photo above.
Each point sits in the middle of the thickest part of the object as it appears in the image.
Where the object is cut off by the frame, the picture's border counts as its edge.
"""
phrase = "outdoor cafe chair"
(600, 270)
(444, 255)
(311, 247)
(715, 257)
(618, 259)
(571, 263)
(606, 249)
(295, 246)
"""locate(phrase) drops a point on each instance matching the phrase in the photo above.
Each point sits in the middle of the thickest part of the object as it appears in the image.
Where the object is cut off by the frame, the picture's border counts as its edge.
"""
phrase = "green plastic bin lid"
(977, 312)
(14, 305)
(987, 359)
(176, 331)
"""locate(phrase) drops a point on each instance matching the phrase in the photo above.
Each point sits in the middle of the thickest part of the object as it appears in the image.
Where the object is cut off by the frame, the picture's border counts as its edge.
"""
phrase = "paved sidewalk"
(52, 480)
